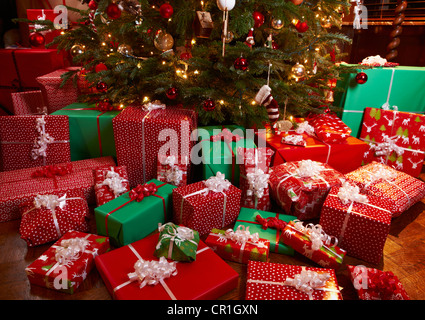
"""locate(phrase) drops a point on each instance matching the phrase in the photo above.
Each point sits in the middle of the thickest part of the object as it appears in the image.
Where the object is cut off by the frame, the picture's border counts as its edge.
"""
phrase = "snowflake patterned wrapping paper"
(395, 138)
(361, 228)
(207, 278)
(29, 102)
(229, 247)
(32, 141)
(329, 128)
(374, 284)
(141, 135)
(399, 188)
(272, 281)
(302, 194)
(19, 186)
(67, 275)
(110, 183)
(173, 169)
(254, 166)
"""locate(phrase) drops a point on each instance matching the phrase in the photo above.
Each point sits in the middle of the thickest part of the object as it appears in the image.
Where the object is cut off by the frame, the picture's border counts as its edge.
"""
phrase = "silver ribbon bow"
(115, 182)
(42, 141)
(305, 127)
(387, 147)
(49, 201)
(307, 281)
(309, 168)
(173, 175)
(217, 183)
(242, 235)
(70, 250)
(294, 139)
(153, 105)
(351, 193)
(152, 272)
(257, 181)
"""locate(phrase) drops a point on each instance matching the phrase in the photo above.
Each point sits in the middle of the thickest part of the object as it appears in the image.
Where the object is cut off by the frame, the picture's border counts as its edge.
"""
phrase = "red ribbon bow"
(51, 171)
(271, 222)
(142, 191)
(383, 284)
(104, 106)
(226, 136)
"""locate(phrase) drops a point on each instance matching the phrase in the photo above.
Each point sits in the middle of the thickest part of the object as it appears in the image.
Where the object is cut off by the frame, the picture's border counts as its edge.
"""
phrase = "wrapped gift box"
(110, 183)
(329, 128)
(22, 185)
(398, 188)
(301, 187)
(219, 146)
(254, 166)
(126, 220)
(275, 281)
(90, 130)
(396, 139)
(33, 141)
(207, 278)
(374, 284)
(140, 136)
(312, 242)
(208, 204)
(238, 246)
(361, 222)
(72, 256)
(173, 169)
(29, 102)
(47, 217)
(268, 225)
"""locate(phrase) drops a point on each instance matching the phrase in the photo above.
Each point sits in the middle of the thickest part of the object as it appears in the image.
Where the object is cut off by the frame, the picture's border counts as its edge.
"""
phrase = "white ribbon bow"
(153, 105)
(257, 181)
(173, 175)
(152, 272)
(307, 281)
(70, 250)
(374, 61)
(217, 183)
(305, 127)
(42, 141)
(242, 235)
(380, 173)
(351, 193)
(387, 147)
(49, 201)
(294, 139)
(115, 182)
(309, 168)
(316, 234)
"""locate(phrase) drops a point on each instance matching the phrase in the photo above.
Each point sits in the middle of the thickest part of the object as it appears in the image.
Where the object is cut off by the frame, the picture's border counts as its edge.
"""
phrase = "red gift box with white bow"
(329, 128)
(110, 183)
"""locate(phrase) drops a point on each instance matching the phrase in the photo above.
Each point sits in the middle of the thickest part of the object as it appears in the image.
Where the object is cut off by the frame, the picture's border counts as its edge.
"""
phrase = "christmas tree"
(245, 62)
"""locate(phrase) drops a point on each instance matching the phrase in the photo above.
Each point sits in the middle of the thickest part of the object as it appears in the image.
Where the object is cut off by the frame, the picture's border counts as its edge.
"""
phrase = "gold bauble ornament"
(298, 71)
(125, 49)
(229, 37)
(277, 24)
(163, 41)
(76, 50)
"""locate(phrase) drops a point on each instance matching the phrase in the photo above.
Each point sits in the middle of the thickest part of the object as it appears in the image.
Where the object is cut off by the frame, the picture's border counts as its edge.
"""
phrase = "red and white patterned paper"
(329, 128)
(17, 136)
(103, 192)
(173, 169)
(28, 102)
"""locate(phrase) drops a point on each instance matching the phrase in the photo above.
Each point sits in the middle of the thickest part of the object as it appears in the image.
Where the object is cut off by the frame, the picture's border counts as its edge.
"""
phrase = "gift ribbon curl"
(387, 147)
(309, 168)
(217, 183)
(152, 272)
(241, 235)
(70, 250)
(305, 127)
(176, 235)
(351, 193)
(258, 182)
(114, 182)
(307, 281)
(41, 143)
(316, 234)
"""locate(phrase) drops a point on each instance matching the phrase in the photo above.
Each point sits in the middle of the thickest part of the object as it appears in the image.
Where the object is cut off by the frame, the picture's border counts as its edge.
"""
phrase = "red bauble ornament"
(301, 26)
(361, 78)
(113, 11)
(172, 93)
(93, 5)
(186, 55)
(102, 86)
(36, 39)
(297, 2)
(241, 63)
(208, 105)
(166, 10)
(258, 19)
(100, 67)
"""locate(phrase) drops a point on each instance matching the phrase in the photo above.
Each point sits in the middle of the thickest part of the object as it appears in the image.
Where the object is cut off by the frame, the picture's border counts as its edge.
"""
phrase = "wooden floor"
(404, 255)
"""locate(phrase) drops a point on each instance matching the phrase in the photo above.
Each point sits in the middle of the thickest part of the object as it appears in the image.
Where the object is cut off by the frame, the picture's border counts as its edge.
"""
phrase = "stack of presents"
(170, 210)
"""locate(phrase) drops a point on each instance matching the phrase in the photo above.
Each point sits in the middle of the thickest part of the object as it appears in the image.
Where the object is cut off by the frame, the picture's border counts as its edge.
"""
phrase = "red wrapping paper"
(176, 173)
(17, 136)
(19, 186)
(103, 192)
(205, 212)
(302, 197)
(329, 128)
(137, 138)
(43, 271)
(265, 282)
(402, 191)
(374, 284)
(407, 130)
(29, 102)
(42, 225)
(206, 278)
(250, 160)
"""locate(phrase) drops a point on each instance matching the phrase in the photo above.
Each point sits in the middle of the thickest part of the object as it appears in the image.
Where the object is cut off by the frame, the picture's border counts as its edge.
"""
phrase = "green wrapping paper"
(126, 221)
(247, 217)
(177, 243)
(90, 130)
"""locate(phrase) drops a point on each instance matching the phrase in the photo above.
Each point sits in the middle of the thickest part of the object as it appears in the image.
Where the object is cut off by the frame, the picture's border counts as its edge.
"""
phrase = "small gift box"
(177, 243)
(47, 217)
(110, 183)
(329, 128)
(135, 214)
(208, 204)
(66, 264)
(374, 284)
(398, 188)
(311, 241)
(275, 281)
(360, 222)
(268, 225)
(173, 169)
(301, 187)
(126, 276)
(239, 245)
(254, 166)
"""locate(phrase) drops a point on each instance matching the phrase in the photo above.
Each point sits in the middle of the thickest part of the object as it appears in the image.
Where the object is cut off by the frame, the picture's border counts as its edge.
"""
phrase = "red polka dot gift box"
(207, 204)
(329, 128)
(110, 183)
(276, 281)
(66, 264)
(301, 187)
(360, 221)
(32, 141)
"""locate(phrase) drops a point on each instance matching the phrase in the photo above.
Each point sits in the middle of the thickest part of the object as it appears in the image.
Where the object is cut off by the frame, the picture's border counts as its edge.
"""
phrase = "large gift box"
(123, 272)
(301, 187)
(110, 183)
(136, 213)
(33, 141)
(219, 146)
(276, 281)
(90, 130)
(268, 225)
(395, 138)
(19, 186)
(28, 102)
(208, 204)
(398, 188)
(66, 264)
(143, 132)
(359, 221)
